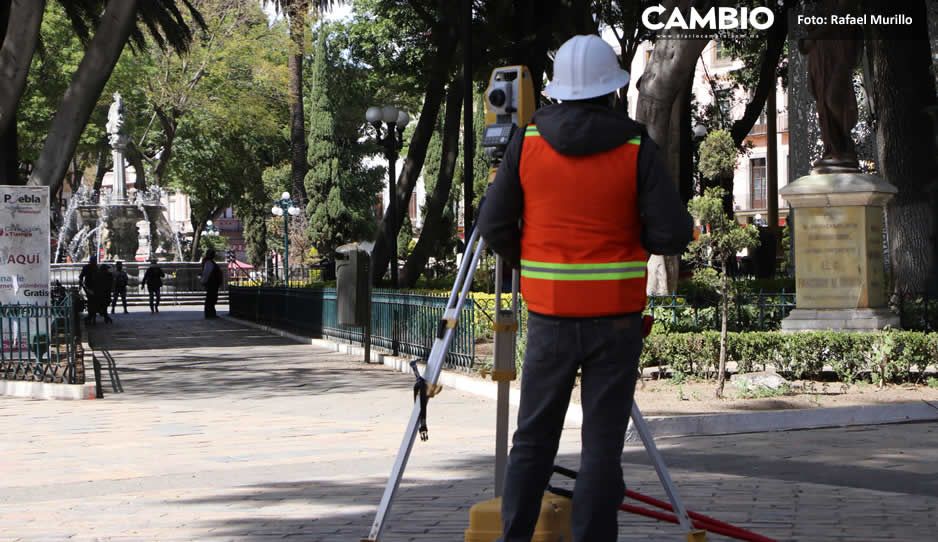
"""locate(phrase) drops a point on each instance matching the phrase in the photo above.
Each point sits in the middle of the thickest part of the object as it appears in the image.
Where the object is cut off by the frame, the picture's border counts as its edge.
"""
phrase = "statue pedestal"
(839, 269)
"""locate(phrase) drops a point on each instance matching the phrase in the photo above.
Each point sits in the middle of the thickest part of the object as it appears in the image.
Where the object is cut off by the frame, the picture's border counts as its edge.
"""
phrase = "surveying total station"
(509, 106)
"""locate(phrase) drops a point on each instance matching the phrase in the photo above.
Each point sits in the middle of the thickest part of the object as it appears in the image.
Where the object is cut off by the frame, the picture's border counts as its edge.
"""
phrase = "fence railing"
(301, 276)
(42, 342)
(747, 312)
(401, 323)
(181, 277)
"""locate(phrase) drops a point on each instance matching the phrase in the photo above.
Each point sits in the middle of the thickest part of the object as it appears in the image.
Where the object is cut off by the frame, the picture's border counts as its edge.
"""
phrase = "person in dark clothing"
(153, 281)
(103, 283)
(86, 284)
(120, 287)
(211, 279)
(580, 199)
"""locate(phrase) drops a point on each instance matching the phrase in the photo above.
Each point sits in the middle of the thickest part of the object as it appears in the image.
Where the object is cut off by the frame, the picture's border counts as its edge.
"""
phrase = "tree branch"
(767, 78)
(422, 13)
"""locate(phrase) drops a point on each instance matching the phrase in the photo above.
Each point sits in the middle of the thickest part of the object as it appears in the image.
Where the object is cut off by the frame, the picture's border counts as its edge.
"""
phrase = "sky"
(338, 12)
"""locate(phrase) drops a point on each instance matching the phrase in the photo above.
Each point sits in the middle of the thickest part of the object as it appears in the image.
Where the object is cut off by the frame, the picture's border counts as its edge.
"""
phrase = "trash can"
(351, 269)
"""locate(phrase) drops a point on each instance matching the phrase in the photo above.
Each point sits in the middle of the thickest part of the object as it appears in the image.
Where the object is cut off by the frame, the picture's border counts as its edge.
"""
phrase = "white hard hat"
(585, 67)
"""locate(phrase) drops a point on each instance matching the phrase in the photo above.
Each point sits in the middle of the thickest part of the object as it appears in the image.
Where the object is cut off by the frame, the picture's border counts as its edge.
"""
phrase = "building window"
(761, 125)
(723, 99)
(757, 183)
(721, 56)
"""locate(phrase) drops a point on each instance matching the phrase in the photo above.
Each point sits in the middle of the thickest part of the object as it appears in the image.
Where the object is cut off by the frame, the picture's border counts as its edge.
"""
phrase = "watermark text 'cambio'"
(718, 18)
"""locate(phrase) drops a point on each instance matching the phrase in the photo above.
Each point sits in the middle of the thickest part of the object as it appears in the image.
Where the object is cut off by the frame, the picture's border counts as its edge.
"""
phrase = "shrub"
(888, 356)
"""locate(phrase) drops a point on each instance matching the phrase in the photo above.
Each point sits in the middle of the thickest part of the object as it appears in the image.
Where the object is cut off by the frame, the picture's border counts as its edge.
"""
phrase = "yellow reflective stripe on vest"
(635, 141)
(531, 131)
(582, 271)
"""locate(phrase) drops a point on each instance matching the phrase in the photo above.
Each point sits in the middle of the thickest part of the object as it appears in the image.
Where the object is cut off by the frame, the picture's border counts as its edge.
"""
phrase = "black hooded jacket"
(582, 129)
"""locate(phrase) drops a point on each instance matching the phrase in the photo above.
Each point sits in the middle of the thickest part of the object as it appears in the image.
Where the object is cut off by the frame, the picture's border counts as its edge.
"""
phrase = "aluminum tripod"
(505, 325)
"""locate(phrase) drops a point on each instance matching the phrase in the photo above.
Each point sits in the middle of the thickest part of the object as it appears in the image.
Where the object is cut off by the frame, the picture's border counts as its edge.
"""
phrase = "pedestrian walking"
(580, 199)
(120, 286)
(211, 279)
(103, 284)
(86, 284)
(153, 281)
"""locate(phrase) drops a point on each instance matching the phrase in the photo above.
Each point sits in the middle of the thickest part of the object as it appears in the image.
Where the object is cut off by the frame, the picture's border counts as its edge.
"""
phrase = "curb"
(663, 426)
(46, 390)
(786, 420)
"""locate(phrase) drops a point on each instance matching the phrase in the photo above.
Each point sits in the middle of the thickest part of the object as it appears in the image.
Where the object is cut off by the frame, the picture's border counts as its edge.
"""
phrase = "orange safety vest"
(581, 250)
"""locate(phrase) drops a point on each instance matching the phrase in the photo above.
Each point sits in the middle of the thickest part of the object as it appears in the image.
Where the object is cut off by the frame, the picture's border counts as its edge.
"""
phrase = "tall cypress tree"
(341, 190)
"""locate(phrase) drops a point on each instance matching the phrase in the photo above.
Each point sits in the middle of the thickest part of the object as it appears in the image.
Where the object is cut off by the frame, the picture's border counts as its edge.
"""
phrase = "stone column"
(839, 267)
(119, 144)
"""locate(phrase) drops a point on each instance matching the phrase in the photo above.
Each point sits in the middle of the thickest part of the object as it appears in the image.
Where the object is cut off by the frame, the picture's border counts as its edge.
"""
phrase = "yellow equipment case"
(553, 525)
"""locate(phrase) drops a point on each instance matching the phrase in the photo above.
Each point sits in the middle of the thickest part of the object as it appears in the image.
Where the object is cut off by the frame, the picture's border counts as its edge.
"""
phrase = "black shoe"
(125, 311)
(108, 320)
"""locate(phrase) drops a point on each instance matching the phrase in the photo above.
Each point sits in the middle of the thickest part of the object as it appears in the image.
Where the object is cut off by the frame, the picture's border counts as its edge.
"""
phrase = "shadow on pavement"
(180, 355)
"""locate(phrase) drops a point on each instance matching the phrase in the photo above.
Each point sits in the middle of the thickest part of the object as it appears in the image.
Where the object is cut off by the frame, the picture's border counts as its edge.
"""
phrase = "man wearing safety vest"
(580, 200)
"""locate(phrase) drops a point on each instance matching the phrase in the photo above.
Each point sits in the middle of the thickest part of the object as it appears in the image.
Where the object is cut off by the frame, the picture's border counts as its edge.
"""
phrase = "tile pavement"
(228, 433)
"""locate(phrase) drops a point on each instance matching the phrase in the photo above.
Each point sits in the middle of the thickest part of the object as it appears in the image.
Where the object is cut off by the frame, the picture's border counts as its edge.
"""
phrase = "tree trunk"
(19, 44)
(672, 63)
(196, 237)
(9, 157)
(169, 122)
(101, 166)
(135, 158)
(724, 317)
(297, 115)
(430, 234)
(771, 163)
(903, 86)
(768, 76)
(83, 92)
(416, 154)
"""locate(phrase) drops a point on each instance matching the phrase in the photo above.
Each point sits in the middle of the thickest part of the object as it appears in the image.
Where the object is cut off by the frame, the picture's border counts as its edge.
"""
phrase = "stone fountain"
(112, 222)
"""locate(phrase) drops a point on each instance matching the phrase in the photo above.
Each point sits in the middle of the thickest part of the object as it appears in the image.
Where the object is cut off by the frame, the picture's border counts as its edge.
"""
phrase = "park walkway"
(228, 433)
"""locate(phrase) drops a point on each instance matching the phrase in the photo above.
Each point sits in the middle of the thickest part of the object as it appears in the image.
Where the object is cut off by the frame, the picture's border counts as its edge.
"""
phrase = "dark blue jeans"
(606, 352)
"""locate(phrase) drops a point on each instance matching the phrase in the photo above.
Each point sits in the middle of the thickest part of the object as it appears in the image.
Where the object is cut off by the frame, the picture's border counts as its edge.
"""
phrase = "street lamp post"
(390, 137)
(285, 207)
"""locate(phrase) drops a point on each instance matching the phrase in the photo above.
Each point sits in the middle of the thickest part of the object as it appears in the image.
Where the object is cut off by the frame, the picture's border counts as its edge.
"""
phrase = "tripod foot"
(697, 536)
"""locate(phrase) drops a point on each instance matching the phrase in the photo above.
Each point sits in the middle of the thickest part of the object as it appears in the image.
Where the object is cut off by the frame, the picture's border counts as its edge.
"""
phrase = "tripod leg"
(441, 345)
(504, 369)
(664, 476)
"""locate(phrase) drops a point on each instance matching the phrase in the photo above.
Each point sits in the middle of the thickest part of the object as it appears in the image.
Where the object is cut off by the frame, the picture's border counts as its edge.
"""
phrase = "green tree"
(297, 12)
(118, 23)
(719, 243)
(437, 236)
(405, 238)
(717, 163)
(341, 189)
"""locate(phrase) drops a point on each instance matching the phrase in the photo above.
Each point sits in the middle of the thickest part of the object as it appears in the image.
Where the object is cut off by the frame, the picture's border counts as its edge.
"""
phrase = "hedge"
(886, 356)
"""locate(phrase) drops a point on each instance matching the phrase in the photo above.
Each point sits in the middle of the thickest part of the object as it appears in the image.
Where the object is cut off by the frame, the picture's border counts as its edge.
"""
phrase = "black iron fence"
(747, 312)
(42, 342)
(401, 323)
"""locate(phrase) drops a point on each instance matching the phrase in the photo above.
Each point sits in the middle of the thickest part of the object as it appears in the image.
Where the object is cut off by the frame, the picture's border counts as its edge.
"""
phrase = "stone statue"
(115, 119)
(833, 52)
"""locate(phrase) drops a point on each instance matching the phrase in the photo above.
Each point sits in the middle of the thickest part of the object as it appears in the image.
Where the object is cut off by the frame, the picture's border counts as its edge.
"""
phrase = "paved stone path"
(228, 433)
